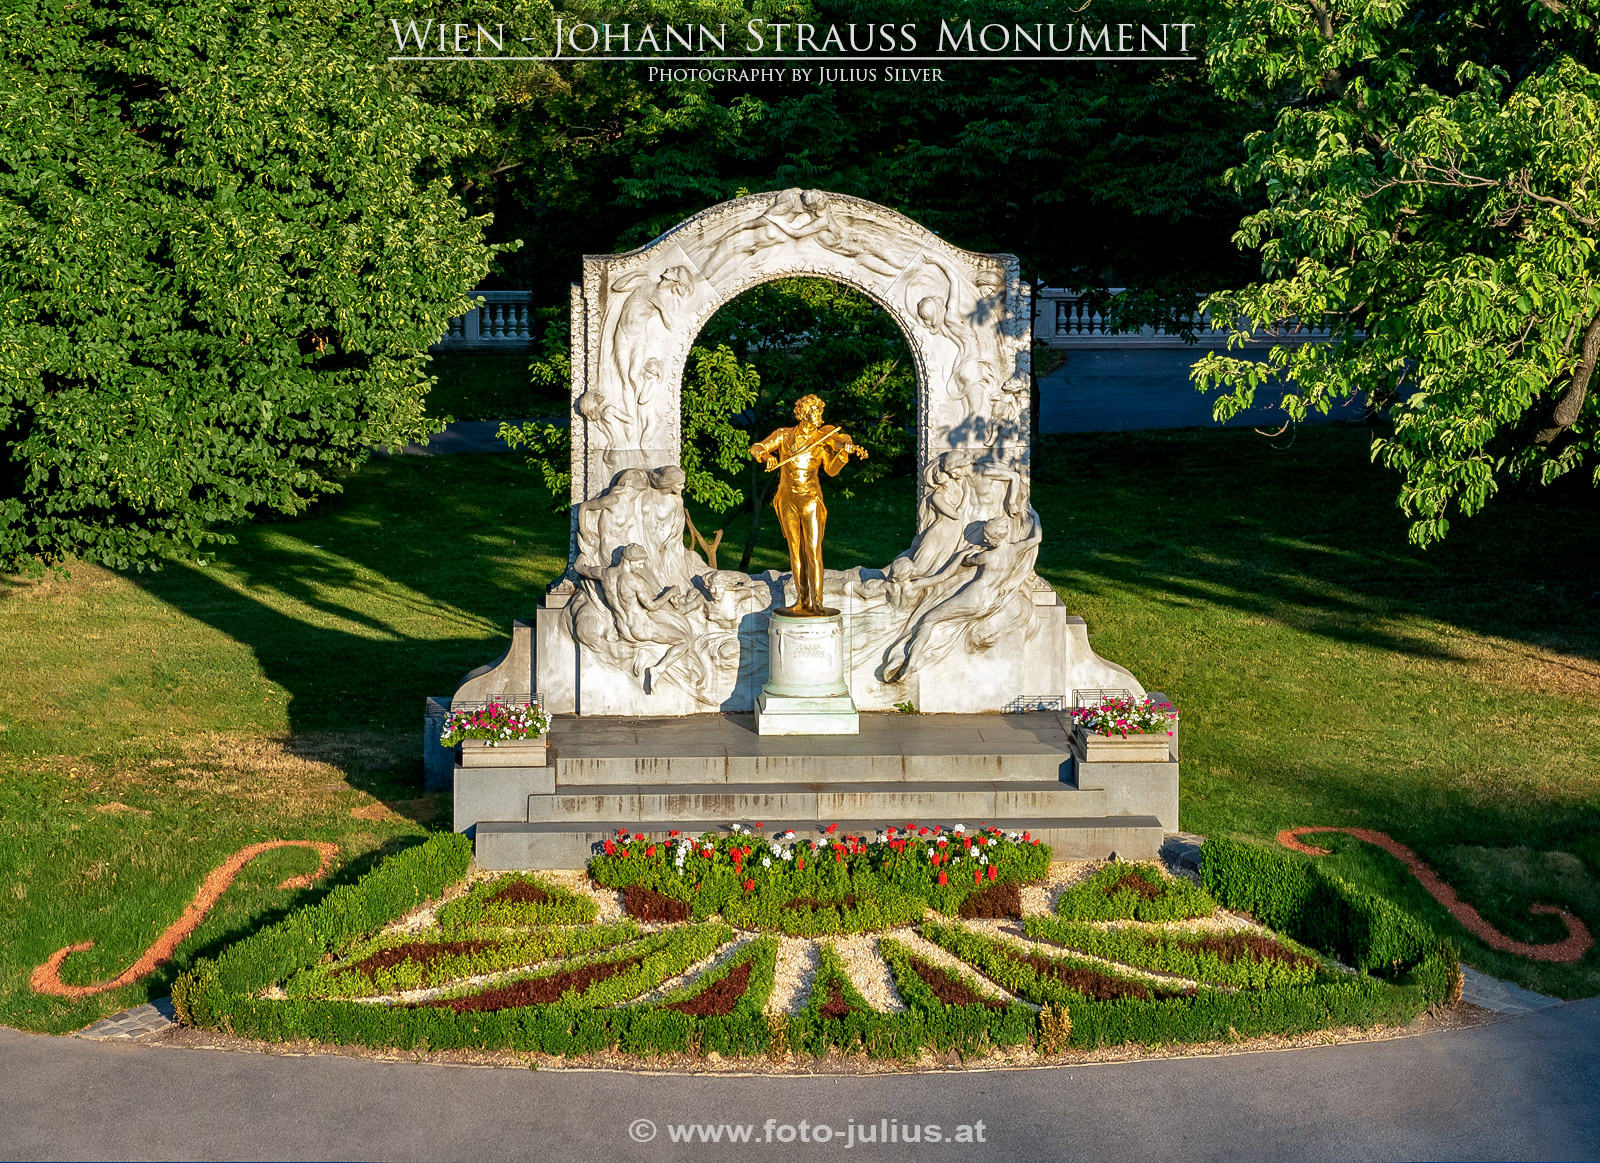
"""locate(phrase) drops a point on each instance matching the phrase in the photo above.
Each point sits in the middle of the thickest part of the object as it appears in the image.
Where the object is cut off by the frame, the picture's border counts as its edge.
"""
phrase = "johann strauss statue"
(804, 452)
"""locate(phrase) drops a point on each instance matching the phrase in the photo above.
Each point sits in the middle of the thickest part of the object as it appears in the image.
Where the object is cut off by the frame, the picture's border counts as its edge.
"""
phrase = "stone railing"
(505, 320)
(1066, 319)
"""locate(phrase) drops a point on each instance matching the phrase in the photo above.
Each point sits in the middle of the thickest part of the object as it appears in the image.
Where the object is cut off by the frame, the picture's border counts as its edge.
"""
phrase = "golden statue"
(800, 451)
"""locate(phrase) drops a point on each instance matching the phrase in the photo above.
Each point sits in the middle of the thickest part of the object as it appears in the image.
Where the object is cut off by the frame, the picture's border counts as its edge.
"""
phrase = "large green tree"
(226, 241)
(1433, 195)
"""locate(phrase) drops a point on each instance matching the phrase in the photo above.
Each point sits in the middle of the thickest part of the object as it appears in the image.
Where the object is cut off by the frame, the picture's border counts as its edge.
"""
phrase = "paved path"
(1524, 1087)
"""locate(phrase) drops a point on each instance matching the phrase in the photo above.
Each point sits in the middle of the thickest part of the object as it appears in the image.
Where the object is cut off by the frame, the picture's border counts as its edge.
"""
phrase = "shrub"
(1133, 892)
(1247, 960)
(1316, 907)
(517, 899)
(404, 961)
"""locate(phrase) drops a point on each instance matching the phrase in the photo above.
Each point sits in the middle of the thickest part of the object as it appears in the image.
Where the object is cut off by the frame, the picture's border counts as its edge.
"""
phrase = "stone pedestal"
(805, 691)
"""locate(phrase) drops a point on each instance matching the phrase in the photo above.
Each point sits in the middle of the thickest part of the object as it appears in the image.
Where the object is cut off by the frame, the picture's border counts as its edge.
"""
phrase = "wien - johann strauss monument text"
(959, 622)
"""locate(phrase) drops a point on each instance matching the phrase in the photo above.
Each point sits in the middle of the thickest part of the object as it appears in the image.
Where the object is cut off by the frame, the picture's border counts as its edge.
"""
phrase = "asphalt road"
(1521, 1088)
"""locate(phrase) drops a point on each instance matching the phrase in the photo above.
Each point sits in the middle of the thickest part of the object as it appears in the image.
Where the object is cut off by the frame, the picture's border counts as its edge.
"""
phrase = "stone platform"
(704, 772)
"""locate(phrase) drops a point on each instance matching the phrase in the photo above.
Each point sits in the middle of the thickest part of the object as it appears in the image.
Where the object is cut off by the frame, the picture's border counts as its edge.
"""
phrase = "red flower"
(650, 851)
(977, 876)
(759, 824)
(944, 878)
(638, 835)
(832, 828)
(800, 862)
(922, 831)
(748, 885)
(994, 873)
(611, 849)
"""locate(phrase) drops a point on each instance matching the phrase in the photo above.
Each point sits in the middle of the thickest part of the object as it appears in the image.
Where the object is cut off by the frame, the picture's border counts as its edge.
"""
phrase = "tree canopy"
(228, 239)
(1433, 194)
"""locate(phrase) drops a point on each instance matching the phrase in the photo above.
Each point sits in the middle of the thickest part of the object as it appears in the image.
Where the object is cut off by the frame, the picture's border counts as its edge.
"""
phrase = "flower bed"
(575, 990)
(1133, 892)
(494, 724)
(816, 887)
(395, 964)
(1125, 716)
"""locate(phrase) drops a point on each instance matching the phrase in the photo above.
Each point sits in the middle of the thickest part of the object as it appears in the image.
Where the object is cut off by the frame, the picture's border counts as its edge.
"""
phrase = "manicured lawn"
(489, 385)
(152, 724)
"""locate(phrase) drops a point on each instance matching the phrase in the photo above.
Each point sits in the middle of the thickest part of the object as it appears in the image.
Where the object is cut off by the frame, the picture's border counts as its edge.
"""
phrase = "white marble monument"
(958, 622)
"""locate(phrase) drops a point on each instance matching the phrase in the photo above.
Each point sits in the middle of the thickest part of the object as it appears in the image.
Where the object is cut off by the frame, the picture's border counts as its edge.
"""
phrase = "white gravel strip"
(934, 955)
(869, 972)
(798, 958)
(1039, 900)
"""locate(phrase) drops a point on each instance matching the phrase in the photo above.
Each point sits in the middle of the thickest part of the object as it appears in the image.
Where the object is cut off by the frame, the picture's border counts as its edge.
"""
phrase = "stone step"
(711, 749)
(569, 844)
(744, 803)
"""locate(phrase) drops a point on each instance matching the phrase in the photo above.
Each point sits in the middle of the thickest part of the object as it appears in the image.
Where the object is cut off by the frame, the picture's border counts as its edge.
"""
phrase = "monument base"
(806, 715)
(805, 691)
(674, 776)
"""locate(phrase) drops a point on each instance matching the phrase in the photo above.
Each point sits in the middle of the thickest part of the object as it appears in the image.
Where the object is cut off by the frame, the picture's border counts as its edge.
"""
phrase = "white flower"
(983, 860)
(788, 853)
(959, 828)
(765, 862)
(930, 851)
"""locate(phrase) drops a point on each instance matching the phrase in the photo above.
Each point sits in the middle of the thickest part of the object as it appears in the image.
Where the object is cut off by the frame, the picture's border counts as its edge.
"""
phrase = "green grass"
(1327, 674)
(489, 385)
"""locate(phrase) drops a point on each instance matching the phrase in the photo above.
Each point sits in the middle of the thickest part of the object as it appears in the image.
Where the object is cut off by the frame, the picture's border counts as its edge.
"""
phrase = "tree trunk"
(1569, 405)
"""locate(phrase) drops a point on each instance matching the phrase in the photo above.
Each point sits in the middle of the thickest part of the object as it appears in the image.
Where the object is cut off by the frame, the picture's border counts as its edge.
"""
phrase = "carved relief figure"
(1002, 564)
(643, 611)
(803, 453)
(651, 300)
(793, 216)
(970, 319)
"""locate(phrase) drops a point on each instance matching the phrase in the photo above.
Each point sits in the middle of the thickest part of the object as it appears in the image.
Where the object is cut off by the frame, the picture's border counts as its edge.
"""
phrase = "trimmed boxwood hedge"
(1302, 899)
(1178, 953)
(1100, 899)
(478, 907)
(227, 992)
(343, 979)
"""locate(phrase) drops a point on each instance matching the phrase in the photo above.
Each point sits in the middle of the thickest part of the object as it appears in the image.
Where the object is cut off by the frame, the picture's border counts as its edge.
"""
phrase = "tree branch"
(1570, 403)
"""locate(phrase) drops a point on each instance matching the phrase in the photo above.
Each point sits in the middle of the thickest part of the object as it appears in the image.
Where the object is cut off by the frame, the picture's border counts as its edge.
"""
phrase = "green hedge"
(1176, 953)
(1094, 900)
(340, 979)
(992, 957)
(347, 914)
(1300, 898)
(473, 909)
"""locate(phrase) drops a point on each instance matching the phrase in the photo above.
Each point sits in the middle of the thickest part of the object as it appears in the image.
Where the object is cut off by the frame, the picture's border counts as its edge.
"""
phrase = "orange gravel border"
(1575, 946)
(46, 978)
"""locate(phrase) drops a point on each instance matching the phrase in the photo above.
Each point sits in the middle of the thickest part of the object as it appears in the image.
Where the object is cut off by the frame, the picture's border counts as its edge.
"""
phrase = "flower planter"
(1097, 748)
(506, 753)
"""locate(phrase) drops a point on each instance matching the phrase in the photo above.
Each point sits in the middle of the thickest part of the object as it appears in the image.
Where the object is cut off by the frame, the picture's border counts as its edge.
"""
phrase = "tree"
(228, 243)
(1433, 191)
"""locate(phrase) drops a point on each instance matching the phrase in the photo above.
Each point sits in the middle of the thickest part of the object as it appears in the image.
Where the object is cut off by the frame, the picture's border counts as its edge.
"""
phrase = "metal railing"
(504, 320)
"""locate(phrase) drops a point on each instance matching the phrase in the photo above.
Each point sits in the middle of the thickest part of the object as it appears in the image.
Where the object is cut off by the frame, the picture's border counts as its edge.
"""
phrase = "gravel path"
(798, 958)
(869, 972)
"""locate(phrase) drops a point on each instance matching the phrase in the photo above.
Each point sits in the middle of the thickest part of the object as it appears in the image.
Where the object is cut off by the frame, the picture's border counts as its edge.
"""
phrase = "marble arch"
(959, 622)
